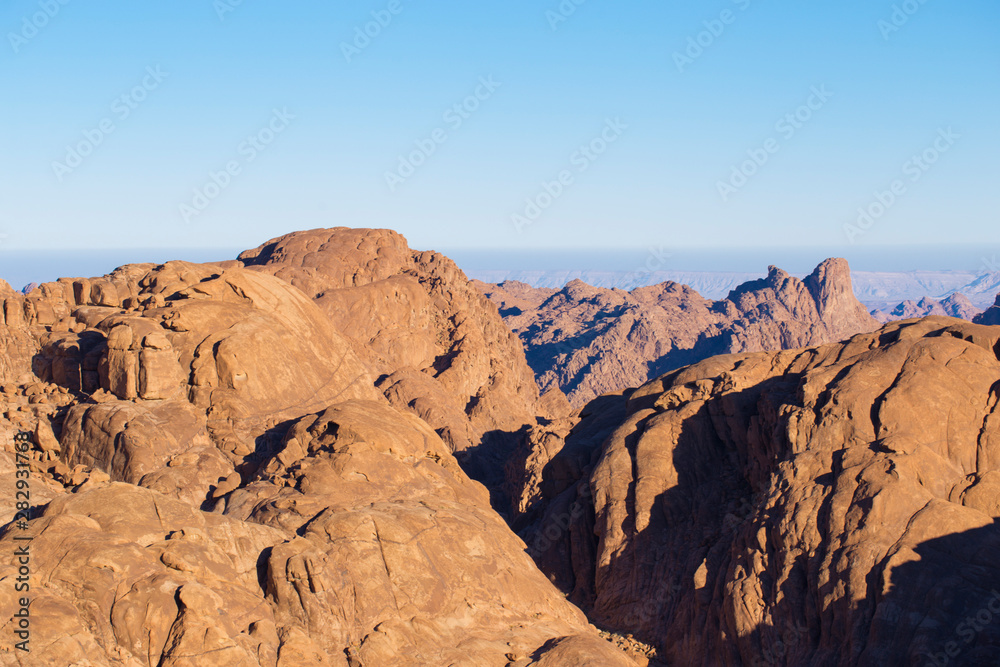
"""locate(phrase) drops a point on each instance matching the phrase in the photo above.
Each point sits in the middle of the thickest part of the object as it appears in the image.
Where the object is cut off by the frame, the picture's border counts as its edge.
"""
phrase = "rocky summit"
(257, 462)
(589, 341)
(332, 450)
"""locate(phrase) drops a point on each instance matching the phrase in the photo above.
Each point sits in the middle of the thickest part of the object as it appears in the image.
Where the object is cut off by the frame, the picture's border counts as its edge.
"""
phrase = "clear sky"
(116, 113)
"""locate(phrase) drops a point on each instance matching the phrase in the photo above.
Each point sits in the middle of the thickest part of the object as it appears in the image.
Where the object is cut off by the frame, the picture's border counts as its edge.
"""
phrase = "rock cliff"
(833, 505)
(589, 341)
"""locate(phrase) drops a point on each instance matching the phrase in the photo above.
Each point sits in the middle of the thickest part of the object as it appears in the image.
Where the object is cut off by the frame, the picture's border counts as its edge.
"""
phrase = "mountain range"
(877, 290)
(334, 450)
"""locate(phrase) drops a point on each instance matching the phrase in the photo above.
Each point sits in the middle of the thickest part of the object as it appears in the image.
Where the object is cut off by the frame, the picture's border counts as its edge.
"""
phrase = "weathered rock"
(17, 346)
(406, 309)
(591, 341)
(122, 575)
(377, 550)
(161, 445)
(344, 531)
(834, 505)
(438, 346)
(382, 508)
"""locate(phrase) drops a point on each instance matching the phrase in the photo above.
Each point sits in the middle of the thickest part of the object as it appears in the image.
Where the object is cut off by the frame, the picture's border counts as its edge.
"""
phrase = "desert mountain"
(835, 505)
(296, 458)
(880, 290)
(956, 305)
(434, 344)
(984, 286)
(254, 462)
(589, 341)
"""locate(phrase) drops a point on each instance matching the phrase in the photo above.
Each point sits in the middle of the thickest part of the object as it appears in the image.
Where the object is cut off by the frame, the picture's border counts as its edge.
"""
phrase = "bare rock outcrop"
(17, 345)
(437, 346)
(360, 542)
(228, 470)
(123, 575)
(414, 316)
(379, 505)
(834, 505)
(589, 341)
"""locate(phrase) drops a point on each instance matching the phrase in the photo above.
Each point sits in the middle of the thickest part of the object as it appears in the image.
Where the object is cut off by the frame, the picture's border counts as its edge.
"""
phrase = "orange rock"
(590, 341)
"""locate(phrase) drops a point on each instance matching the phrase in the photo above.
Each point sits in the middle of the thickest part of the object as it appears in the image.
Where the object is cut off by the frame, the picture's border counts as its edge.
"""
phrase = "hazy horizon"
(21, 267)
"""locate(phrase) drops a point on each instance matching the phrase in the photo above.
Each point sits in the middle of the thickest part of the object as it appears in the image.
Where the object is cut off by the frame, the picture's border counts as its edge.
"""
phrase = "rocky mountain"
(876, 289)
(435, 346)
(983, 287)
(257, 462)
(991, 315)
(956, 305)
(884, 289)
(332, 451)
(589, 341)
(834, 505)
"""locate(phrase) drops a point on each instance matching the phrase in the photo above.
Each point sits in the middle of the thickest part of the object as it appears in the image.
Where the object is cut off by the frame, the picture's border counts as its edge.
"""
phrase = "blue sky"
(311, 130)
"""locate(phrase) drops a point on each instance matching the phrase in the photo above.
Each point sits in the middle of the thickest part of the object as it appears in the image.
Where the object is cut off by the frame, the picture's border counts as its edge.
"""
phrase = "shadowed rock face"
(589, 341)
(834, 505)
(991, 316)
(227, 470)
